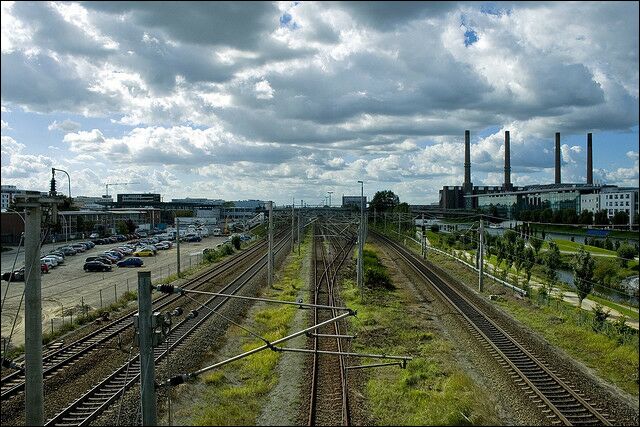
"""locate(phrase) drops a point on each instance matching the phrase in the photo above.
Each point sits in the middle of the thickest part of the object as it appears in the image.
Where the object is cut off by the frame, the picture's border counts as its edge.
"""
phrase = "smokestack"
(589, 160)
(468, 186)
(558, 157)
(507, 162)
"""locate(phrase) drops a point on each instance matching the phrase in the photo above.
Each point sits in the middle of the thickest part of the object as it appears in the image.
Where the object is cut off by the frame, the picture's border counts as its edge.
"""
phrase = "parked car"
(143, 252)
(130, 262)
(67, 250)
(192, 238)
(166, 242)
(78, 247)
(116, 254)
(111, 257)
(59, 259)
(105, 259)
(57, 253)
(96, 266)
(94, 235)
(44, 268)
(50, 260)
(15, 276)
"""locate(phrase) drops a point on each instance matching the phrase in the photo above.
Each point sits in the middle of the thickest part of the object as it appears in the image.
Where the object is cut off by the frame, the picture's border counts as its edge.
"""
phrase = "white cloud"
(5, 125)
(65, 126)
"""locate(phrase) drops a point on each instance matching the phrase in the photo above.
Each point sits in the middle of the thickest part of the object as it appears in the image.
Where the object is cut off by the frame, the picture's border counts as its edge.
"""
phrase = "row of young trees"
(513, 251)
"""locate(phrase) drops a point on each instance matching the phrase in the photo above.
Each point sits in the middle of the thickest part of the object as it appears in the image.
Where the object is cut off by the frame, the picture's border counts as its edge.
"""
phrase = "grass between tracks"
(432, 390)
(613, 356)
(237, 391)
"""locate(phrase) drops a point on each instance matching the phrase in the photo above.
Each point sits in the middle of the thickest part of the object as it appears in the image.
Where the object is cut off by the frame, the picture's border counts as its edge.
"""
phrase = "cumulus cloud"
(313, 94)
(65, 126)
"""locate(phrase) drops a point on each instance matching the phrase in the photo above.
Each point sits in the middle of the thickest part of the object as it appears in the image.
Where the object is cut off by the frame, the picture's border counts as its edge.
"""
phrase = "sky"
(290, 100)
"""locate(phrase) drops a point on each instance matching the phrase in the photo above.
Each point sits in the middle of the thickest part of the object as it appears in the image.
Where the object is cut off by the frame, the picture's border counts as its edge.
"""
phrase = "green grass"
(566, 245)
(618, 307)
(238, 391)
(611, 360)
(432, 390)
(560, 324)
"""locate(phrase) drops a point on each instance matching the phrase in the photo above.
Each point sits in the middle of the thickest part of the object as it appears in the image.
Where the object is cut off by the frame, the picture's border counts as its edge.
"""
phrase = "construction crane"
(117, 183)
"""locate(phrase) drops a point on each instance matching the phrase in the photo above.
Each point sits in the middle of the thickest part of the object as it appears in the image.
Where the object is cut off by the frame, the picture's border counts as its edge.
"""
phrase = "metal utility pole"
(146, 332)
(423, 240)
(360, 272)
(374, 216)
(398, 222)
(270, 254)
(178, 245)
(481, 259)
(299, 218)
(293, 225)
(34, 394)
(32, 203)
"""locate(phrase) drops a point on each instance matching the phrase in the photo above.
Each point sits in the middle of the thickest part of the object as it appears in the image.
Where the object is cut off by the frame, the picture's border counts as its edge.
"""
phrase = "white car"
(51, 262)
(59, 259)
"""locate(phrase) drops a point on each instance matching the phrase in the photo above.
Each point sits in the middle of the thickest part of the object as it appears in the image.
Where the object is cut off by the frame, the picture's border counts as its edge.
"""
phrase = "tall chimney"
(589, 160)
(468, 186)
(507, 162)
(558, 157)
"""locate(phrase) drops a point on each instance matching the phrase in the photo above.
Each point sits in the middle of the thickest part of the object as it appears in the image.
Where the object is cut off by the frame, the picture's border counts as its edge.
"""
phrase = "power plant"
(506, 199)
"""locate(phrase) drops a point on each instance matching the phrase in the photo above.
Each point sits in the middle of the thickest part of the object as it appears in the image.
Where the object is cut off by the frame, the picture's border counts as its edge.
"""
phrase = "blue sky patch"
(470, 37)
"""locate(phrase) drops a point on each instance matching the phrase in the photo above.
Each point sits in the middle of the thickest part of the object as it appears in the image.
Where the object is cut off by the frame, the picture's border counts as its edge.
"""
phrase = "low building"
(354, 201)
(615, 199)
(139, 199)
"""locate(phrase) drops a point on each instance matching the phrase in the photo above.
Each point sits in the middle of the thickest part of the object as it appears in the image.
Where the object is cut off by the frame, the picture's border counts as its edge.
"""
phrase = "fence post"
(127, 285)
(115, 292)
(100, 298)
(52, 326)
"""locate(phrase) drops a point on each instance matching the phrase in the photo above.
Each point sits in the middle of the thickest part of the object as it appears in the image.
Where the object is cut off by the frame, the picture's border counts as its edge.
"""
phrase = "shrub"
(599, 317)
(375, 277)
(227, 250)
(235, 241)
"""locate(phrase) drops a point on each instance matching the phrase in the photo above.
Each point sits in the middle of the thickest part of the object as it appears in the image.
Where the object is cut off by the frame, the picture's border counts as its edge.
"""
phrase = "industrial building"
(506, 200)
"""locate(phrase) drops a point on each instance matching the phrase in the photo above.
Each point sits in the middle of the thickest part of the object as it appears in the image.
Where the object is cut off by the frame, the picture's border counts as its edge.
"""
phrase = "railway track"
(329, 398)
(94, 402)
(551, 393)
(56, 360)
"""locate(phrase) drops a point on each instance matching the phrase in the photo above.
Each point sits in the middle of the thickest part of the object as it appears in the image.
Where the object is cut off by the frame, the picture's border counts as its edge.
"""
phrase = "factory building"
(506, 200)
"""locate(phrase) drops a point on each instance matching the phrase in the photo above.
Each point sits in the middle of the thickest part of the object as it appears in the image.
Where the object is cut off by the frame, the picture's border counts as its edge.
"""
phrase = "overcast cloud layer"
(279, 100)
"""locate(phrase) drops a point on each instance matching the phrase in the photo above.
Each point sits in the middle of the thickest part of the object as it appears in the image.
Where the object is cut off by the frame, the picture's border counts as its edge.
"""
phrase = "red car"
(44, 268)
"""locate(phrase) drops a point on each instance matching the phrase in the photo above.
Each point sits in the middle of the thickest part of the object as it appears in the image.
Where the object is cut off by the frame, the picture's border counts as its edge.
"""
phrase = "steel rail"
(54, 361)
(90, 405)
(565, 404)
(329, 267)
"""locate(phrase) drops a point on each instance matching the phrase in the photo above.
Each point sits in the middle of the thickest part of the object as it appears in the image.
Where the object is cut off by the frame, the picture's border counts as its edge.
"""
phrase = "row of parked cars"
(125, 255)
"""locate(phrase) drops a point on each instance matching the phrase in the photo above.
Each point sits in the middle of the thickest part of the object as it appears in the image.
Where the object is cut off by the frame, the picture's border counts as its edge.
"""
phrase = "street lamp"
(68, 178)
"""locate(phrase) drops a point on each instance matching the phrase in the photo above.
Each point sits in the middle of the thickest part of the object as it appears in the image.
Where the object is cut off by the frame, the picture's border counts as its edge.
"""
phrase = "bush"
(235, 241)
(227, 250)
(435, 228)
(375, 277)
(599, 317)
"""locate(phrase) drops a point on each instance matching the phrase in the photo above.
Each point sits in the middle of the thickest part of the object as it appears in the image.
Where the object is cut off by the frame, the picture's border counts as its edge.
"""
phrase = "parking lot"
(69, 286)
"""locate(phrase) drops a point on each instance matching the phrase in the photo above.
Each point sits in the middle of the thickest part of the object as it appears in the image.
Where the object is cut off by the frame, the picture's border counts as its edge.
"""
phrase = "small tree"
(121, 227)
(518, 257)
(601, 218)
(528, 263)
(620, 218)
(235, 241)
(586, 217)
(626, 253)
(536, 244)
(583, 266)
(551, 262)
